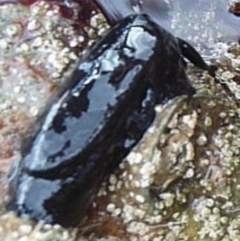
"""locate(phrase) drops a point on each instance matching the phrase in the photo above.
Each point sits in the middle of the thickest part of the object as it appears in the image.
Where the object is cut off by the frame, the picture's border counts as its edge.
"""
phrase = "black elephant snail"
(101, 114)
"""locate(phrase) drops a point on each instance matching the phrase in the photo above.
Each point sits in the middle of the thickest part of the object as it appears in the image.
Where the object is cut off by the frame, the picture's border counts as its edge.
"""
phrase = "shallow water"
(197, 21)
(205, 21)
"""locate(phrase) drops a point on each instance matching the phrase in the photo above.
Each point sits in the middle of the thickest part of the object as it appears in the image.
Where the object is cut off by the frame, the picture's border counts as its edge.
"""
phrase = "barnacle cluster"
(38, 49)
(180, 182)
